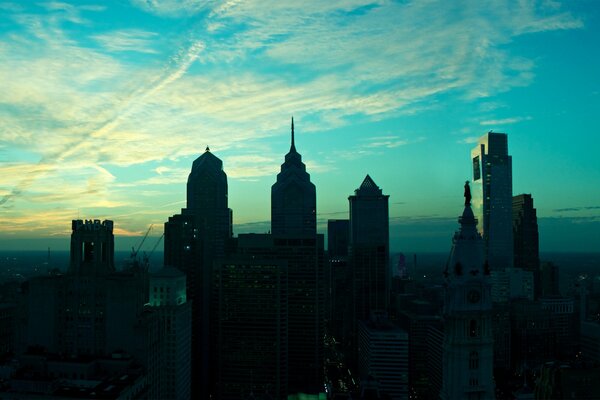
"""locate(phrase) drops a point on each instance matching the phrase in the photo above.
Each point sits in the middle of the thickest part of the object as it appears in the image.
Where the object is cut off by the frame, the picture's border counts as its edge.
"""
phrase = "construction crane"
(134, 252)
(146, 261)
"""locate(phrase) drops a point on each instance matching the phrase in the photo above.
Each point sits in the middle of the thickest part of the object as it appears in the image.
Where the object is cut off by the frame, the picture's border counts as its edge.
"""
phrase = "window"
(473, 360)
(473, 328)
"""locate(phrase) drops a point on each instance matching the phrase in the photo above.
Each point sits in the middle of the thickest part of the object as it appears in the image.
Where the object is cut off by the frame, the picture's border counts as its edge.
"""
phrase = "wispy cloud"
(575, 209)
(136, 40)
(504, 121)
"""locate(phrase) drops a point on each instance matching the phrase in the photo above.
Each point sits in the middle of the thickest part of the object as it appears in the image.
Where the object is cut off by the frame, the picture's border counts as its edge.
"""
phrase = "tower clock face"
(473, 296)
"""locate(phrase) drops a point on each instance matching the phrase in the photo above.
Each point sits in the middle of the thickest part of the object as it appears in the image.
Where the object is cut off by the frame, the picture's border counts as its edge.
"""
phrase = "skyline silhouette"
(111, 102)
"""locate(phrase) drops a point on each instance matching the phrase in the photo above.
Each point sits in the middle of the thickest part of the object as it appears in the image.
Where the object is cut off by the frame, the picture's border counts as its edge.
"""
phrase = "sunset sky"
(105, 105)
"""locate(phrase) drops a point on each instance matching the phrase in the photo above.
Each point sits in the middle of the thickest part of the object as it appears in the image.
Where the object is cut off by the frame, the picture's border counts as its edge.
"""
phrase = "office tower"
(168, 300)
(468, 340)
(492, 198)
(526, 239)
(369, 248)
(194, 239)
(253, 322)
(293, 227)
(293, 197)
(383, 355)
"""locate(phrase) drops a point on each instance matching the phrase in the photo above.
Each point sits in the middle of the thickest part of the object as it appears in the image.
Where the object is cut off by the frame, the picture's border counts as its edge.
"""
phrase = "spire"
(293, 146)
(207, 149)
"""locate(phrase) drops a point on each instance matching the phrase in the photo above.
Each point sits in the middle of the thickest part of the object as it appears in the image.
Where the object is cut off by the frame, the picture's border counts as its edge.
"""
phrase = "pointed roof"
(368, 187)
(207, 160)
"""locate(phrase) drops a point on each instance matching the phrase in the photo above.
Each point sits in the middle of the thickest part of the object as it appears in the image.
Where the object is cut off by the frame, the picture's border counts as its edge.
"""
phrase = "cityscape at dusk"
(325, 200)
(105, 105)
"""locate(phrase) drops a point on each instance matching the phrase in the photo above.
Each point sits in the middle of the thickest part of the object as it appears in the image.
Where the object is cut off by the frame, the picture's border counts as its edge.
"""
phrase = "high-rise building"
(468, 341)
(194, 239)
(252, 287)
(168, 300)
(526, 239)
(339, 280)
(383, 355)
(293, 198)
(369, 248)
(492, 197)
(295, 240)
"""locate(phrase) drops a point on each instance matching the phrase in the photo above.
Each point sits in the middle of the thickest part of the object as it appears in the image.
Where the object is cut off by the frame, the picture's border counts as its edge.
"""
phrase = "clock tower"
(468, 340)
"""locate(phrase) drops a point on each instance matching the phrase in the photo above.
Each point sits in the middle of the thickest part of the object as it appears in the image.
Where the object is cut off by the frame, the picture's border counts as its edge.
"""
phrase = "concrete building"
(468, 338)
(383, 355)
(492, 198)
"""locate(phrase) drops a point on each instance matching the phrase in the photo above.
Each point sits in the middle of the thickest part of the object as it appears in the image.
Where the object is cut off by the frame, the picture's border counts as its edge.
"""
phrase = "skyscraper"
(295, 240)
(468, 341)
(293, 197)
(369, 248)
(526, 238)
(194, 239)
(492, 197)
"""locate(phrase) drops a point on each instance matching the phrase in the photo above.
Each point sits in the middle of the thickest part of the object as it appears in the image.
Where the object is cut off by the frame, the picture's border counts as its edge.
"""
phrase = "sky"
(105, 105)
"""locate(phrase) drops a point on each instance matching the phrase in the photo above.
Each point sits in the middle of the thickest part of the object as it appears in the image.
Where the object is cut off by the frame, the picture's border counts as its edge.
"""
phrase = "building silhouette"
(252, 287)
(526, 239)
(492, 197)
(368, 257)
(468, 341)
(295, 240)
(293, 197)
(194, 239)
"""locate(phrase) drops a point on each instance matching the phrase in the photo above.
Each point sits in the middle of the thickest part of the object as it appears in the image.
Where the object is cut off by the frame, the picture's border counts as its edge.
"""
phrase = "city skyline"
(105, 108)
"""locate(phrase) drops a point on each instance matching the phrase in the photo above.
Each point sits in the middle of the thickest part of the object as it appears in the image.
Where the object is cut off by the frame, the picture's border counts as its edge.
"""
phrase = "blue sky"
(105, 105)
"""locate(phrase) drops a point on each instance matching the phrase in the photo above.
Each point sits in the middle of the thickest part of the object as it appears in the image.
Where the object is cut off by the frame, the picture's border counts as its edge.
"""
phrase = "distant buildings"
(96, 332)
